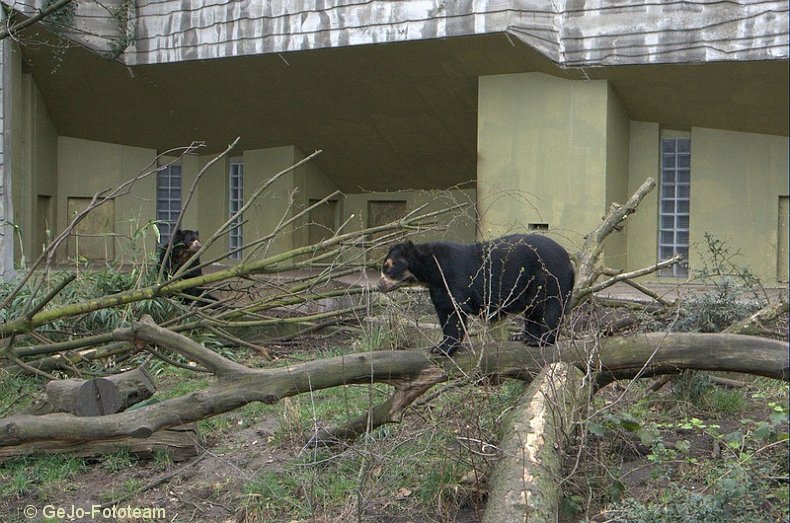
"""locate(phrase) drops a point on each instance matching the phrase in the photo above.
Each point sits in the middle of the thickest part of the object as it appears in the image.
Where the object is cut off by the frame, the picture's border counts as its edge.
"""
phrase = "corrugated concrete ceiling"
(568, 32)
(386, 116)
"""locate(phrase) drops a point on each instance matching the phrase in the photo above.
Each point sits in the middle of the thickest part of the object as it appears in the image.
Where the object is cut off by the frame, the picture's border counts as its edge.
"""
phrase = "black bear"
(185, 244)
(510, 275)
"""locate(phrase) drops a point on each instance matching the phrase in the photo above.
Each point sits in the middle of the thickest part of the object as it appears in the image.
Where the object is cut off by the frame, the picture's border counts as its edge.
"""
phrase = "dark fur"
(528, 274)
(185, 244)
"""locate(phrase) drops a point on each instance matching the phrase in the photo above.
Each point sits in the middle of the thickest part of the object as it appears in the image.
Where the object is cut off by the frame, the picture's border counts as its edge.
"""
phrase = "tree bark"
(239, 385)
(181, 443)
(101, 396)
(525, 484)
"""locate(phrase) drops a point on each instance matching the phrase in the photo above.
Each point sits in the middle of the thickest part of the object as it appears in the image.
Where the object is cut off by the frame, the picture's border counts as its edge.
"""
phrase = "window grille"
(168, 200)
(236, 202)
(674, 199)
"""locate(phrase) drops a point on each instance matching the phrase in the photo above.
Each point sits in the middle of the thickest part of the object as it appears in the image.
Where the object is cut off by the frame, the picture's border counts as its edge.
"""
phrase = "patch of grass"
(698, 461)
(301, 414)
(16, 478)
(725, 401)
(21, 476)
(434, 459)
(131, 485)
(375, 336)
(16, 392)
(117, 461)
(182, 382)
(162, 458)
(305, 490)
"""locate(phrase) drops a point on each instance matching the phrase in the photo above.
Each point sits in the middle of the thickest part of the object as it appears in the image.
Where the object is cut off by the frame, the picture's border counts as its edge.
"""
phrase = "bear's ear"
(407, 247)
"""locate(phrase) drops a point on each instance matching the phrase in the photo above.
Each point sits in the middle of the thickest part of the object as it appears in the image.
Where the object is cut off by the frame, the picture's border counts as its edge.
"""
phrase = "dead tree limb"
(587, 270)
(527, 477)
(749, 326)
(390, 411)
(754, 323)
(180, 443)
(271, 264)
(239, 385)
(40, 14)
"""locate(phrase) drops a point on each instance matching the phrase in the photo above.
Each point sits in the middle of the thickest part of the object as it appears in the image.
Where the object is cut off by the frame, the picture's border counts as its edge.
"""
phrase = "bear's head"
(189, 240)
(395, 271)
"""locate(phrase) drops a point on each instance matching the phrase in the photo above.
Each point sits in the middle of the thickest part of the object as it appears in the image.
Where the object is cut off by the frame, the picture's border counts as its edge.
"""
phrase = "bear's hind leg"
(453, 328)
(541, 323)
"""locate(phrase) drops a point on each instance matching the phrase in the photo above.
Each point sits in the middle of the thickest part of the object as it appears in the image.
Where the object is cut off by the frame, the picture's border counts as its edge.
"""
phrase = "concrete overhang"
(394, 116)
(570, 33)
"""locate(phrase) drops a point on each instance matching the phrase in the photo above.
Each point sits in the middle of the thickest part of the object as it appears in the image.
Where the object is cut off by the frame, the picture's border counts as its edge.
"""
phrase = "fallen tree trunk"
(239, 385)
(525, 485)
(180, 443)
(101, 396)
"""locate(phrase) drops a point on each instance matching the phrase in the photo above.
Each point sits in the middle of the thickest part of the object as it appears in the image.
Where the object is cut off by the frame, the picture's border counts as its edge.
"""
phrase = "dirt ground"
(211, 486)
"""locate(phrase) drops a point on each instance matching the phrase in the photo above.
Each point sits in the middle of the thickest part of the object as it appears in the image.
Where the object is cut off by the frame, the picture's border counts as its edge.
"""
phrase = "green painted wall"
(211, 202)
(190, 167)
(274, 205)
(86, 167)
(617, 161)
(311, 184)
(642, 227)
(736, 181)
(458, 226)
(283, 200)
(542, 154)
(21, 178)
(34, 166)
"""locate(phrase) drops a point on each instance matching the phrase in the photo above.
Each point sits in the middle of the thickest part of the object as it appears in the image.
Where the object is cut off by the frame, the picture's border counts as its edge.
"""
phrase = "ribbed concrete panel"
(571, 33)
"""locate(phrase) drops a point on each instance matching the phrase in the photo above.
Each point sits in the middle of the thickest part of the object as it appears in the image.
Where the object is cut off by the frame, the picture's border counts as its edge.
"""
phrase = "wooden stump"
(101, 396)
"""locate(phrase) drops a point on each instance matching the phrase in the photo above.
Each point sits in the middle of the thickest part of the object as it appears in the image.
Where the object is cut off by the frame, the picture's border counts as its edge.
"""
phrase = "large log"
(525, 484)
(181, 443)
(101, 396)
(238, 385)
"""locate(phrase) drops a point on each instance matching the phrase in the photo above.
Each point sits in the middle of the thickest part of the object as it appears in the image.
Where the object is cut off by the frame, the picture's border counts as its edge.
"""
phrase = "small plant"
(732, 292)
(119, 460)
(163, 458)
(725, 401)
(692, 386)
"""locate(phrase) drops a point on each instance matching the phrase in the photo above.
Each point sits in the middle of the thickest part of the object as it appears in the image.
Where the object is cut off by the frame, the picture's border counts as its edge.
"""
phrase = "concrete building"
(541, 113)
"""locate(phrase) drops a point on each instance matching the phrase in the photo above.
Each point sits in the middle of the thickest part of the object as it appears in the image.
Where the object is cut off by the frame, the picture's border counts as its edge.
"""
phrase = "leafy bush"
(731, 292)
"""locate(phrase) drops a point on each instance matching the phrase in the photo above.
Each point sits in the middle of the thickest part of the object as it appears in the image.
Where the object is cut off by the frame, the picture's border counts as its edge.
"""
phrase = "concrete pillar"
(552, 153)
(6, 205)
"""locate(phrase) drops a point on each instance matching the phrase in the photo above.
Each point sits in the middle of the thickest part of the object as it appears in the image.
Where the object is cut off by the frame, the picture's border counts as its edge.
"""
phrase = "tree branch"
(42, 13)
(656, 352)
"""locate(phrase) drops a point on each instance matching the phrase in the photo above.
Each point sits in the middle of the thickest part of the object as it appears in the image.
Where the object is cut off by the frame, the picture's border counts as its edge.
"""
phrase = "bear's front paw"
(533, 341)
(445, 351)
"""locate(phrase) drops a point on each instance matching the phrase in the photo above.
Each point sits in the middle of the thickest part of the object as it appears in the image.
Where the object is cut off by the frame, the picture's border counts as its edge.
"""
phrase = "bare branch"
(42, 13)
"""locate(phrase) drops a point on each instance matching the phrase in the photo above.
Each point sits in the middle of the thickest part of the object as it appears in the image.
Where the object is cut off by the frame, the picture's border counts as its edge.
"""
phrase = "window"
(674, 198)
(236, 202)
(168, 200)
